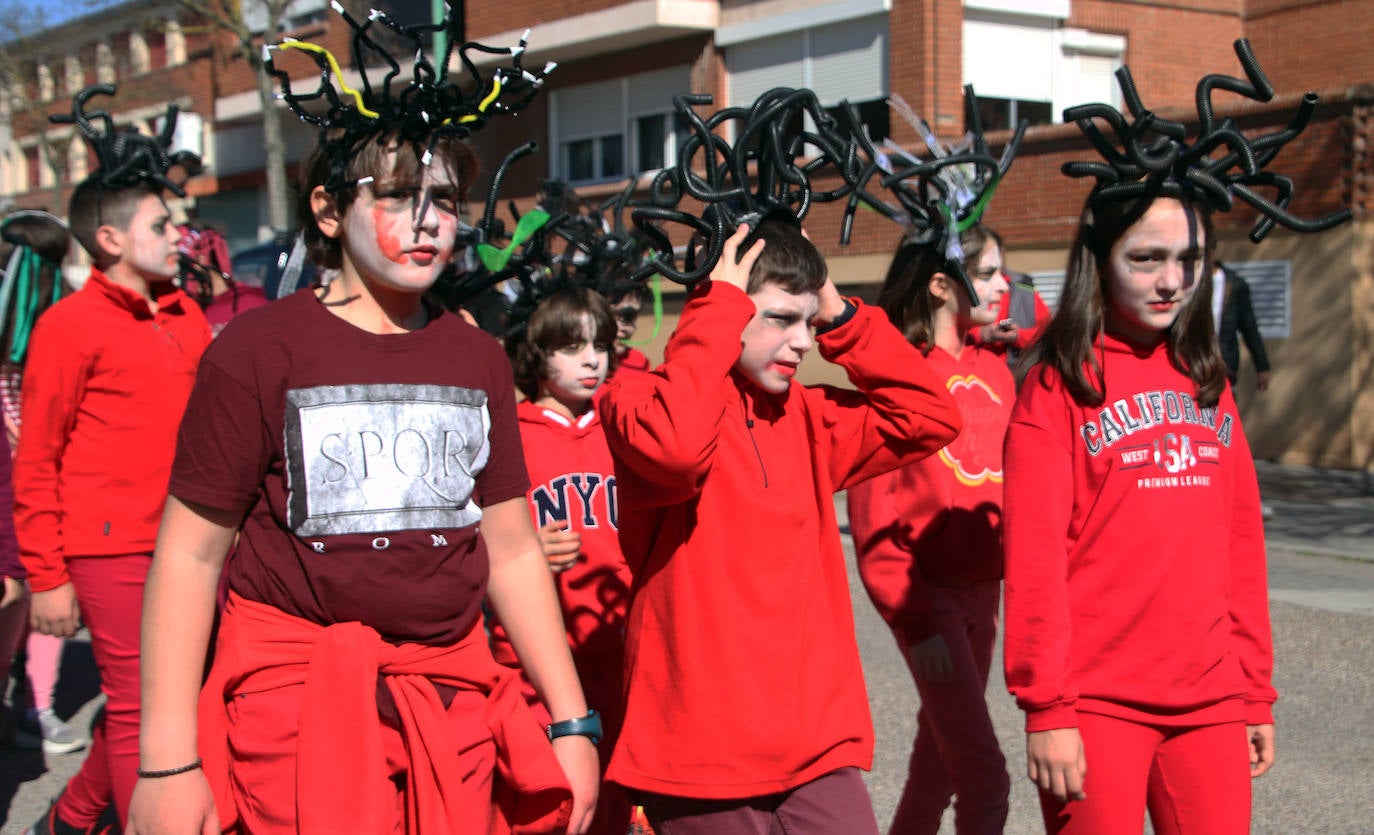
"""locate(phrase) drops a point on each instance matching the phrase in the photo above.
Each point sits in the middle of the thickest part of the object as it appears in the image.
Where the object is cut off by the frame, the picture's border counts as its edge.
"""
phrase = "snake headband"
(432, 104)
(768, 171)
(940, 197)
(1221, 164)
(127, 157)
(561, 243)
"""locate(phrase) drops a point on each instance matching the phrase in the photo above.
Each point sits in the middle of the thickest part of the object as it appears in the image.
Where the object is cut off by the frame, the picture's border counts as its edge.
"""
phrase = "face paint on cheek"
(387, 241)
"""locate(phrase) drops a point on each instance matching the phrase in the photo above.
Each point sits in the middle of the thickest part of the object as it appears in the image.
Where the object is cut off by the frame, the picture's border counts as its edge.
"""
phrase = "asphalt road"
(1322, 591)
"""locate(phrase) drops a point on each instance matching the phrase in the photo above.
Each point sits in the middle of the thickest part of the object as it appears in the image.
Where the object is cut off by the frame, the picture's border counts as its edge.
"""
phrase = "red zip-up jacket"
(105, 385)
(742, 674)
(938, 521)
(1135, 566)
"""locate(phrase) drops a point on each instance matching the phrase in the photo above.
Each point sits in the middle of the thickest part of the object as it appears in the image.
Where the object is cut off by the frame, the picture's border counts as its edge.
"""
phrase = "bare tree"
(230, 16)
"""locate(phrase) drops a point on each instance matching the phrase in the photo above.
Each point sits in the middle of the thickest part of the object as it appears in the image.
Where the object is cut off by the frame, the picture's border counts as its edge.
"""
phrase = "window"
(845, 60)
(999, 114)
(610, 129)
(1055, 67)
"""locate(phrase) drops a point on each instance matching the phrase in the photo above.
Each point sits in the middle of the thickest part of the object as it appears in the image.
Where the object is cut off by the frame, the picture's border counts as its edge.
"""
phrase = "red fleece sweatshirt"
(1136, 583)
(938, 521)
(105, 386)
(341, 777)
(743, 677)
(571, 479)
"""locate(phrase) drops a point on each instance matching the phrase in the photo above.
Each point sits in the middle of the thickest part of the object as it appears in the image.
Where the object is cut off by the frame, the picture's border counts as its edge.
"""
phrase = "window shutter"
(849, 60)
(652, 92)
(1007, 61)
(757, 66)
(588, 110)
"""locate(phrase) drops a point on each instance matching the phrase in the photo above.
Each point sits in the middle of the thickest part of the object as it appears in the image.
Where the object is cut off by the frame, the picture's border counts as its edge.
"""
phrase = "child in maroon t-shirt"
(367, 444)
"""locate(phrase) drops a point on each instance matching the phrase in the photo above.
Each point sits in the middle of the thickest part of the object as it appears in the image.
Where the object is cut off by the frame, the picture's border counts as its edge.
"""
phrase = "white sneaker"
(44, 729)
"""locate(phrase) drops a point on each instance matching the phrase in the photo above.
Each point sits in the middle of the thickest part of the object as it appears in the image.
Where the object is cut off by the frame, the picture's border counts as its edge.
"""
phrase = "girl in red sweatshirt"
(1137, 638)
(560, 364)
(929, 540)
(1137, 610)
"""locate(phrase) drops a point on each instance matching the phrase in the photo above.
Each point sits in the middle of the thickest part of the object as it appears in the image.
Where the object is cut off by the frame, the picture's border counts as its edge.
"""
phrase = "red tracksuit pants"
(109, 591)
(956, 751)
(1193, 780)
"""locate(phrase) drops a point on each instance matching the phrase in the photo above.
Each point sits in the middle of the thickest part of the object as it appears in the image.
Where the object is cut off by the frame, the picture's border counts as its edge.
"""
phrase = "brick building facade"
(607, 113)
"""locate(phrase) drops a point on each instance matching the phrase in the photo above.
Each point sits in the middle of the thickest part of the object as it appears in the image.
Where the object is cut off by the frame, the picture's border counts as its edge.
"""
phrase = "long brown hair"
(905, 296)
(1068, 344)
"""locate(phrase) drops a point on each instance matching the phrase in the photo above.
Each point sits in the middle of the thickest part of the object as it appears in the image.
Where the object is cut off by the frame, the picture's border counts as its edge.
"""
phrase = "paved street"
(1321, 549)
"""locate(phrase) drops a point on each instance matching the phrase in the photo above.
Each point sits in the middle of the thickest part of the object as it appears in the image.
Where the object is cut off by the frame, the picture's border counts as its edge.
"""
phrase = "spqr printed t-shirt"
(362, 461)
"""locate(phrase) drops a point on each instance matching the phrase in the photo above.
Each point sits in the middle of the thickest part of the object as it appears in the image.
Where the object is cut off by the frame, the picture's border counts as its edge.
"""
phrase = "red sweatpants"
(956, 751)
(262, 770)
(109, 591)
(1194, 781)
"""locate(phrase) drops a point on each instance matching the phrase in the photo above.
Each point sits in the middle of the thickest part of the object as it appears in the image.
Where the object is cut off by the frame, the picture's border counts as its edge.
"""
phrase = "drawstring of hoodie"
(749, 427)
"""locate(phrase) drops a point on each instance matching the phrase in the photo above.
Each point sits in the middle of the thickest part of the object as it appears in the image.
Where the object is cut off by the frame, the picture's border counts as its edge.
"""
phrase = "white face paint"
(573, 373)
(150, 242)
(777, 338)
(1152, 271)
(400, 236)
(990, 283)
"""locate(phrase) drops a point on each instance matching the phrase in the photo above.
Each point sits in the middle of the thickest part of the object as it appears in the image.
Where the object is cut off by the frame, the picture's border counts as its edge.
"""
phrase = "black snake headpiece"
(1220, 165)
(945, 195)
(127, 157)
(561, 243)
(432, 104)
(783, 143)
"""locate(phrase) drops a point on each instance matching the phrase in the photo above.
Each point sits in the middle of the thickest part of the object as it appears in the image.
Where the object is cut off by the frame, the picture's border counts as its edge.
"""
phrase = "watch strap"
(588, 726)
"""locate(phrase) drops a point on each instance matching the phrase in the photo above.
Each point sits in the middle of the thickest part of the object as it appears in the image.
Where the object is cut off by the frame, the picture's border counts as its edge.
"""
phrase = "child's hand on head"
(561, 546)
(727, 271)
(832, 304)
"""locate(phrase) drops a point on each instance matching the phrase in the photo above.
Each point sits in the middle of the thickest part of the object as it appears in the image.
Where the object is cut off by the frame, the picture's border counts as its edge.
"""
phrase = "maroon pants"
(1194, 781)
(956, 751)
(109, 591)
(833, 804)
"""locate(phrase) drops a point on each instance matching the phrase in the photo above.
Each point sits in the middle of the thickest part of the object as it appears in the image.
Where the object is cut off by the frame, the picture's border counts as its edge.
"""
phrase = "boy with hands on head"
(719, 735)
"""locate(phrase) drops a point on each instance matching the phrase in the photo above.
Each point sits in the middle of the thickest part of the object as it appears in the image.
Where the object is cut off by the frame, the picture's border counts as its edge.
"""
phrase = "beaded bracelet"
(168, 772)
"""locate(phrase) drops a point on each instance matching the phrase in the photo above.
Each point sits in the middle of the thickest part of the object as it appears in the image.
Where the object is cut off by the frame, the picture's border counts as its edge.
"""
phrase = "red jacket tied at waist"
(340, 753)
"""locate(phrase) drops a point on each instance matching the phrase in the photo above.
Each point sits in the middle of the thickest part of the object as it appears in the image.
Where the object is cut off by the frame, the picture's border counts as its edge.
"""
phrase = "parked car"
(279, 267)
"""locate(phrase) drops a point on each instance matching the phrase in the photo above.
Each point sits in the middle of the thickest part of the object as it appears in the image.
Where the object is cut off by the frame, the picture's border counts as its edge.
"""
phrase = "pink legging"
(44, 658)
(1194, 781)
(109, 591)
